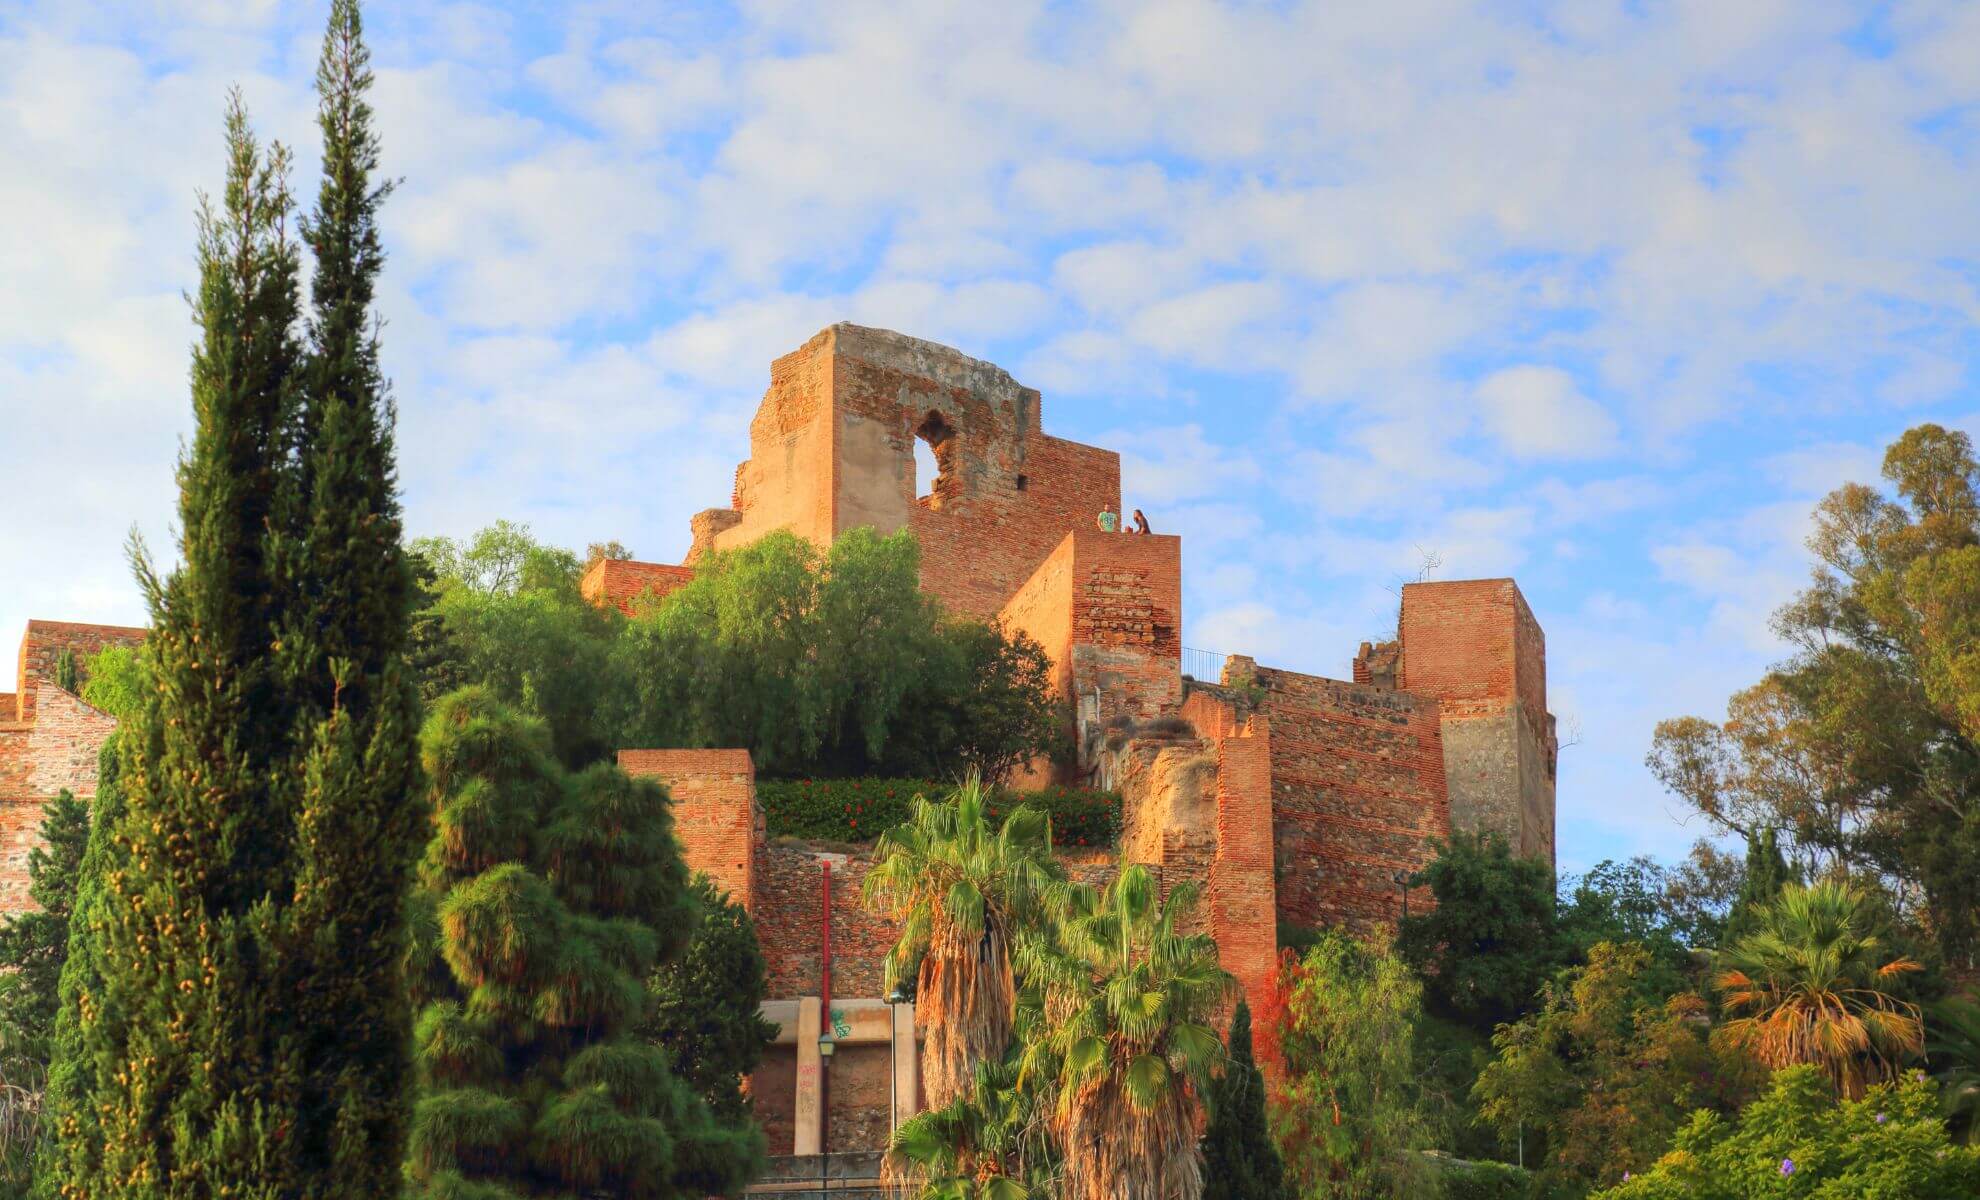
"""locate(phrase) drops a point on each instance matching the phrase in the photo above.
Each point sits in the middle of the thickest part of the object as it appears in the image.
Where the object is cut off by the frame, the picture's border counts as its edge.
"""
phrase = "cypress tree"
(545, 897)
(1240, 1162)
(1767, 872)
(65, 670)
(240, 1025)
(340, 651)
(194, 1084)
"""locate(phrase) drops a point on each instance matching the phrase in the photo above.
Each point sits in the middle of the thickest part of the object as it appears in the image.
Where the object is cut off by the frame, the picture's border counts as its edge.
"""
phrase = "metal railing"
(1206, 666)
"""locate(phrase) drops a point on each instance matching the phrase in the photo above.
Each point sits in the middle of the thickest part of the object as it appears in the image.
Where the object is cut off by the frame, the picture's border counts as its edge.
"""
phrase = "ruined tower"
(1474, 646)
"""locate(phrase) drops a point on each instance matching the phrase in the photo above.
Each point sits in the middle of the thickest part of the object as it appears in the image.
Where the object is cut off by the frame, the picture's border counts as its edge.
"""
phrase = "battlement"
(1290, 797)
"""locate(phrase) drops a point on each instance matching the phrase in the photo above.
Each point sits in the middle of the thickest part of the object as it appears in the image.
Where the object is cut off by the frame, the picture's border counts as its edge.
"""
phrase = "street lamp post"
(824, 1062)
(899, 995)
(1402, 885)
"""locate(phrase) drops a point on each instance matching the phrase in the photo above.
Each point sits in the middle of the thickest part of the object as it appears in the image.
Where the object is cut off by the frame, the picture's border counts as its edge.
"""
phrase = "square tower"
(1475, 646)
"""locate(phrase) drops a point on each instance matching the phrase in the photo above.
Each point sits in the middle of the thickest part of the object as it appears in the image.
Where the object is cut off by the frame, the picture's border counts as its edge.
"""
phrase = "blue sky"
(1600, 296)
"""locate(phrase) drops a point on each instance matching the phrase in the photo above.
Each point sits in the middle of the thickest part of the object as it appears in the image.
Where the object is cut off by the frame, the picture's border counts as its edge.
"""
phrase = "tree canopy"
(819, 662)
(1862, 749)
(1492, 938)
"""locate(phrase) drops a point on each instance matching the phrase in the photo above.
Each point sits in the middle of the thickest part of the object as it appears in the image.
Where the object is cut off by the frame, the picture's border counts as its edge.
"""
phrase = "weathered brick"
(1290, 798)
(49, 740)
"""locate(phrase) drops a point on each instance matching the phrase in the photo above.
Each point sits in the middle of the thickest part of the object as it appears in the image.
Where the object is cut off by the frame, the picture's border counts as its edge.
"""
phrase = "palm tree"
(1126, 998)
(1812, 980)
(961, 895)
(1954, 1050)
(988, 1144)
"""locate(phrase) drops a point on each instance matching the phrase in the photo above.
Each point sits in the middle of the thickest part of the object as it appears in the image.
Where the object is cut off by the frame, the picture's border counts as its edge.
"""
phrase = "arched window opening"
(934, 457)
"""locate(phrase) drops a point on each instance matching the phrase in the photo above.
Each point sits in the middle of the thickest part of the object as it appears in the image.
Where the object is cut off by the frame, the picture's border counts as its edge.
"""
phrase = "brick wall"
(1243, 883)
(64, 743)
(1358, 792)
(716, 817)
(1107, 608)
(623, 583)
(1379, 663)
(20, 816)
(1042, 609)
(49, 741)
(789, 907)
(56, 752)
(42, 645)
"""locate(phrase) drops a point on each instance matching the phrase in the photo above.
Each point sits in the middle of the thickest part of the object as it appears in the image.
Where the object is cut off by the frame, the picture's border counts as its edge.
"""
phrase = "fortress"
(1294, 798)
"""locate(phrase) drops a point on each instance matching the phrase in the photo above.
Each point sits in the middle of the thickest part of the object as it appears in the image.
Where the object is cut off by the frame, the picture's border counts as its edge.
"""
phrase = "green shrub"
(860, 810)
(1799, 1140)
(1487, 1181)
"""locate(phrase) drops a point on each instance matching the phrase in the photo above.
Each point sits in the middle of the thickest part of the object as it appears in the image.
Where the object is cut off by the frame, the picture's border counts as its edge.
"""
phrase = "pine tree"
(704, 1006)
(545, 897)
(1240, 1161)
(33, 945)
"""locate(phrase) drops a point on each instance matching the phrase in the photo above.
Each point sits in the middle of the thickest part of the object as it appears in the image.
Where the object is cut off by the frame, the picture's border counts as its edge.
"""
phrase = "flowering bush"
(1798, 1140)
(860, 810)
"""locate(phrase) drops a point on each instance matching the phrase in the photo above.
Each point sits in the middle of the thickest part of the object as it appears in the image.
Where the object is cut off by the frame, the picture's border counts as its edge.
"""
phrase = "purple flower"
(1881, 1118)
(1787, 1166)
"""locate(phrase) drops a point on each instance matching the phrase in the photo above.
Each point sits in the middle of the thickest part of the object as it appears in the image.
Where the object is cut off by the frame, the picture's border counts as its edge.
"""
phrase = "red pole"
(825, 1023)
(826, 988)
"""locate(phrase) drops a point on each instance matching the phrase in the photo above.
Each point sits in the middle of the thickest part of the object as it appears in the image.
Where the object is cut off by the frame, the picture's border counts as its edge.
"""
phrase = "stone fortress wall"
(49, 740)
(1288, 797)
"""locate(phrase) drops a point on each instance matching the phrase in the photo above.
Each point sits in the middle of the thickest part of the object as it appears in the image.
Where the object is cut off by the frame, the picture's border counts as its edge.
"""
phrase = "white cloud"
(1275, 243)
(1538, 412)
(1164, 465)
